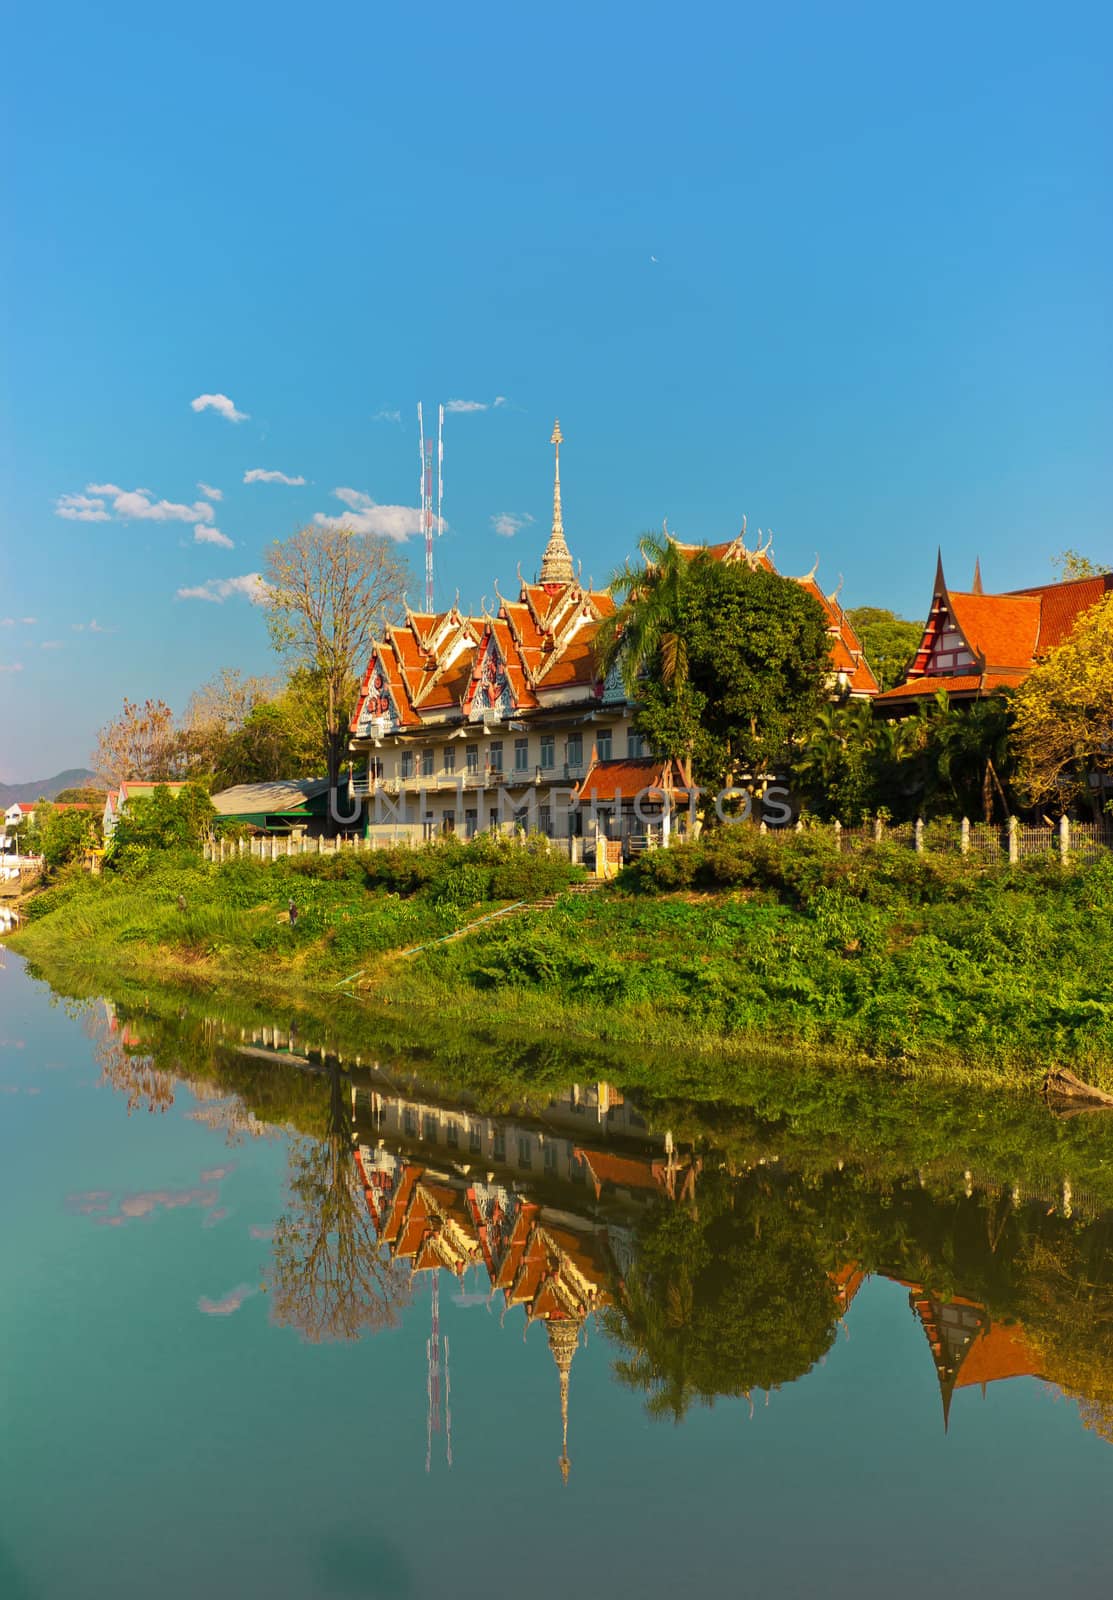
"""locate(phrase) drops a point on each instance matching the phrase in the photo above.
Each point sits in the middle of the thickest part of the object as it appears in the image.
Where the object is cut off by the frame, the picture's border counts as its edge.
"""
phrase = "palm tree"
(645, 624)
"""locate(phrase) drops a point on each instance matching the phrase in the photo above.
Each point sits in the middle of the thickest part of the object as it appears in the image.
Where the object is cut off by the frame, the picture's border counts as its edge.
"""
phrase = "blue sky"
(844, 270)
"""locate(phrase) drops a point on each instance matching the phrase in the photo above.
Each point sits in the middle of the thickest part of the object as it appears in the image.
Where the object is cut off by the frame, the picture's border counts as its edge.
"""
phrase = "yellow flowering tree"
(1063, 727)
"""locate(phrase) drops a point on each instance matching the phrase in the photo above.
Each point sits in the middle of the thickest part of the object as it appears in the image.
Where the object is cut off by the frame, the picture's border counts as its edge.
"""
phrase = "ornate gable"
(489, 694)
(377, 712)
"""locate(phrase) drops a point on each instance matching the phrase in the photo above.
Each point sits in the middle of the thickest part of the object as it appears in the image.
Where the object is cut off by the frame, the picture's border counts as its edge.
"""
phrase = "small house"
(280, 806)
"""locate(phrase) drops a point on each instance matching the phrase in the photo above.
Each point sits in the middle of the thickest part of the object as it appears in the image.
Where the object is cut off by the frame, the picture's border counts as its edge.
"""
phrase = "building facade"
(466, 723)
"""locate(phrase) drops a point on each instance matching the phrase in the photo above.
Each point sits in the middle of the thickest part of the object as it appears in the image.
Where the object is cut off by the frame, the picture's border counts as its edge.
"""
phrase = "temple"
(976, 644)
(471, 722)
(444, 1185)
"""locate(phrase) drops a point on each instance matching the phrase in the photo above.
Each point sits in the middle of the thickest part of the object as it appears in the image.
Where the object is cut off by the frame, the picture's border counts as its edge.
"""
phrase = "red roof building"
(468, 722)
(976, 644)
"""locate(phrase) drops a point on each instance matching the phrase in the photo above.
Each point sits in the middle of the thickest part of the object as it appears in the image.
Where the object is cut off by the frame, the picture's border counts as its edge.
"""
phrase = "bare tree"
(219, 709)
(142, 742)
(330, 593)
(331, 1278)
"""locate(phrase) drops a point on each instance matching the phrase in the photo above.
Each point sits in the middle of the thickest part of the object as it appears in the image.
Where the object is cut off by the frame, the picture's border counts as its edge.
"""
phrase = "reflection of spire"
(564, 1336)
(556, 563)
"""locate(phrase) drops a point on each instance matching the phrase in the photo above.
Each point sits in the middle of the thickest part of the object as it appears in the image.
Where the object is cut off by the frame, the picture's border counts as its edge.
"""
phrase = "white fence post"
(1014, 849)
(1064, 839)
(838, 835)
(877, 827)
(964, 842)
(919, 836)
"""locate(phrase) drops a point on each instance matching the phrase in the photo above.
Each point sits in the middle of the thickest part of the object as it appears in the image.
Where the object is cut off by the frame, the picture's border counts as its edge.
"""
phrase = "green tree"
(1063, 734)
(889, 641)
(1070, 564)
(162, 822)
(757, 662)
(64, 834)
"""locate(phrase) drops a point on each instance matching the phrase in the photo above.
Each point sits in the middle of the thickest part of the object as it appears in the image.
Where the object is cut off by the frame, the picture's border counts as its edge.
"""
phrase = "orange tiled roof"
(1001, 630)
(648, 775)
(999, 1352)
(1061, 605)
(960, 684)
(625, 1172)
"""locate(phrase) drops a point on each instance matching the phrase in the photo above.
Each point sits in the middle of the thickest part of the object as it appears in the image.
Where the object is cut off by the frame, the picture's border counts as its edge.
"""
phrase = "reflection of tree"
(129, 1074)
(724, 1300)
(330, 1277)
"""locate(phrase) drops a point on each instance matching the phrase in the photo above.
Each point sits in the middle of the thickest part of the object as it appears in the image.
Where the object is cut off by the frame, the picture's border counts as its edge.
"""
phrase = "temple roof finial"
(564, 1337)
(977, 589)
(940, 580)
(556, 563)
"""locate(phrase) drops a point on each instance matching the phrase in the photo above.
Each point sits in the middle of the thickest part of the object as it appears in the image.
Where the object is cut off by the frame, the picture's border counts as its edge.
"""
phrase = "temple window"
(471, 758)
(475, 1139)
(521, 755)
(575, 750)
(603, 744)
(548, 751)
(635, 745)
(450, 758)
(500, 1144)
(407, 763)
(427, 763)
(494, 756)
(525, 1150)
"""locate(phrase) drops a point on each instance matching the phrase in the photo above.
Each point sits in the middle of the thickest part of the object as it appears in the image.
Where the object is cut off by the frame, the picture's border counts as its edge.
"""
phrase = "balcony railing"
(364, 785)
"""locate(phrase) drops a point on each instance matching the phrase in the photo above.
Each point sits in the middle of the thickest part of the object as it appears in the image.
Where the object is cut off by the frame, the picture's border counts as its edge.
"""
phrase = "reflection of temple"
(968, 1347)
(542, 1204)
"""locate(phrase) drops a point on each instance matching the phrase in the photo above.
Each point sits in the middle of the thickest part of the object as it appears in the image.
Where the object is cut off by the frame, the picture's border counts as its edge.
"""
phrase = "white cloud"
(128, 504)
(220, 403)
(51, 644)
(387, 416)
(367, 516)
(261, 475)
(476, 405)
(91, 627)
(507, 523)
(204, 534)
(209, 492)
(11, 666)
(11, 622)
(217, 590)
(135, 505)
(81, 508)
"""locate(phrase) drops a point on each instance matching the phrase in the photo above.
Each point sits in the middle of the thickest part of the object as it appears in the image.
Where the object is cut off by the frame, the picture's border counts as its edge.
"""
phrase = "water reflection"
(713, 1277)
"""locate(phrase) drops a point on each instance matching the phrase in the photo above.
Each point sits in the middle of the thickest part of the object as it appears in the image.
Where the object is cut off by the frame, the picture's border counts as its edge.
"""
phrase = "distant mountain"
(44, 788)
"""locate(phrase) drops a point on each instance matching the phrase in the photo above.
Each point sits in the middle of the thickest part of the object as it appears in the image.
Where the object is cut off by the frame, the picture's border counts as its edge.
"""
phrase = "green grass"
(924, 966)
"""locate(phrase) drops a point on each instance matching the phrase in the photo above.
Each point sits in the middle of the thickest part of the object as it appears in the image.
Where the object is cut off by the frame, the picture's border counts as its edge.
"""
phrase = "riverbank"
(881, 960)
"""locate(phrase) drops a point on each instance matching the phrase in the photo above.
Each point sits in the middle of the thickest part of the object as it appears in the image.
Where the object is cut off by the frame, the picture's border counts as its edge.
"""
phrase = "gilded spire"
(556, 563)
(564, 1337)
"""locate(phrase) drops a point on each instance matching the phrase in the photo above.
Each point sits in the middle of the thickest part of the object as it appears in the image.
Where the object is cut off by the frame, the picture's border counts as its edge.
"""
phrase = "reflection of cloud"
(261, 1230)
(145, 1203)
(216, 1174)
(471, 1297)
(211, 1218)
(227, 1304)
(84, 1205)
(14, 1088)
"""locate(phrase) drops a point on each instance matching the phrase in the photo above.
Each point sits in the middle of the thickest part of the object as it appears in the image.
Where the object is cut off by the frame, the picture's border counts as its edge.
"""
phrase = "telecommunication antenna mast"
(425, 452)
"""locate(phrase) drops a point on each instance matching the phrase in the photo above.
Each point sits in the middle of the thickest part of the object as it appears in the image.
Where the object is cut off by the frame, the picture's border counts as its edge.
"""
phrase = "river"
(283, 1317)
